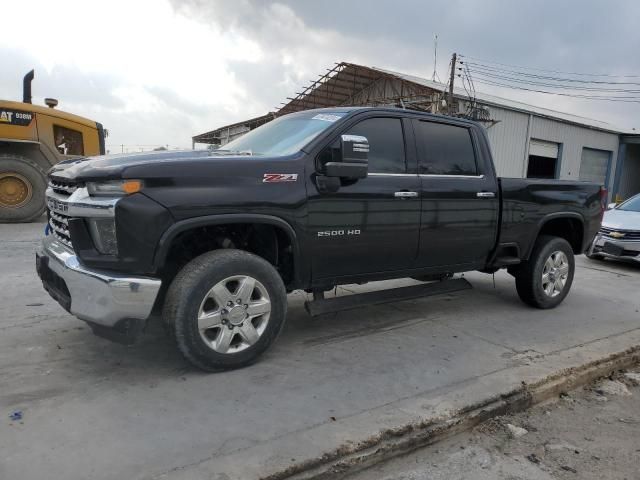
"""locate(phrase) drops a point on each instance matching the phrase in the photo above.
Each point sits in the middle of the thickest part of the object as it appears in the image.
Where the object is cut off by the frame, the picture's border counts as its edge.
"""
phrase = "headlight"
(103, 232)
(114, 188)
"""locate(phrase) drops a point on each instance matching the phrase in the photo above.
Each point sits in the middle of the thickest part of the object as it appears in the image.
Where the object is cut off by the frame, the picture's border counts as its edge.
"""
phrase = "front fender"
(174, 230)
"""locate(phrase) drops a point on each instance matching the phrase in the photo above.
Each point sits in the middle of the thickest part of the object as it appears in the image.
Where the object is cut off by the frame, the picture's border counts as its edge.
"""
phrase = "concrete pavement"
(97, 410)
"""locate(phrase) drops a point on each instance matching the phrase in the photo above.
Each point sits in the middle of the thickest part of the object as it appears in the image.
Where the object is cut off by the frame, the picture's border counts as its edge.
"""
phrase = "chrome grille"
(59, 225)
(619, 234)
(63, 187)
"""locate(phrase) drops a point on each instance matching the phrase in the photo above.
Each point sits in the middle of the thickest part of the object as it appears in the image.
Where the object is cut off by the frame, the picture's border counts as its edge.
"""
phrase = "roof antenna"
(434, 76)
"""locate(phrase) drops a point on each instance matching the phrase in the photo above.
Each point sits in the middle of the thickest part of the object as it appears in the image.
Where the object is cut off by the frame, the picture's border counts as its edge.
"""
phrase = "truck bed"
(527, 204)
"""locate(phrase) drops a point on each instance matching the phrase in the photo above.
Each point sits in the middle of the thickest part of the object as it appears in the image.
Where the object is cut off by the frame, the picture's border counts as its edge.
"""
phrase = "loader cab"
(33, 138)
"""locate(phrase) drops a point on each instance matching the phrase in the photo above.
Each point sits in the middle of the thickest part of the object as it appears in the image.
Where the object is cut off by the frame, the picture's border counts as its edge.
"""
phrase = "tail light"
(604, 195)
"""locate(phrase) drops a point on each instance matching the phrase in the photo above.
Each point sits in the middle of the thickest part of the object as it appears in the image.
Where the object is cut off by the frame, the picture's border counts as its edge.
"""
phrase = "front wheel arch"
(168, 238)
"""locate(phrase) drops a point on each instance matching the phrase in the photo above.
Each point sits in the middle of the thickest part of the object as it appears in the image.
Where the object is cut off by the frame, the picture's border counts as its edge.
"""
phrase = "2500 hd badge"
(338, 233)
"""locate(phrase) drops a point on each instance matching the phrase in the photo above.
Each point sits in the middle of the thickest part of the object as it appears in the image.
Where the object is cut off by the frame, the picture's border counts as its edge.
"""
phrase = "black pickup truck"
(215, 239)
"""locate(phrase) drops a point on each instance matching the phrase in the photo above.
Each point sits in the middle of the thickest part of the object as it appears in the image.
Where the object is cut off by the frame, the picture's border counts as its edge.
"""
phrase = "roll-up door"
(540, 148)
(594, 165)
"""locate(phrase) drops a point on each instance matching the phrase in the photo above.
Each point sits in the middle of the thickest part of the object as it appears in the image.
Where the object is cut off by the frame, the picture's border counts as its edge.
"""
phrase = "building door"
(543, 159)
(594, 166)
(371, 224)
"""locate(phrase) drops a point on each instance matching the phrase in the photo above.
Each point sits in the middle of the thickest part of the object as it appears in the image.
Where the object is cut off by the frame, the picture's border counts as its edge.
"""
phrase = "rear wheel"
(545, 279)
(225, 308)
(22, 189)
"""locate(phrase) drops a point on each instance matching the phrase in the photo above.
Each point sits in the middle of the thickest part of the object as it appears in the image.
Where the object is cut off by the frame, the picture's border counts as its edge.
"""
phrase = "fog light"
(103, 232)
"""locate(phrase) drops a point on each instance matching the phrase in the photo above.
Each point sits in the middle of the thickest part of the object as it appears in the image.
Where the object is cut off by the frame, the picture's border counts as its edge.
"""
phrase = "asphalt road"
(97, 410)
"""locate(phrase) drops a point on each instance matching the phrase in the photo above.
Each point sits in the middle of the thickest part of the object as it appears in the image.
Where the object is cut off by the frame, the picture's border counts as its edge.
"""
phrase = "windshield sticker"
(326, 117)
(279, 177)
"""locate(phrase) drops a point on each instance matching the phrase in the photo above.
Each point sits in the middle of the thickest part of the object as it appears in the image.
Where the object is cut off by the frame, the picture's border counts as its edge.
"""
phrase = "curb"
(392, 442)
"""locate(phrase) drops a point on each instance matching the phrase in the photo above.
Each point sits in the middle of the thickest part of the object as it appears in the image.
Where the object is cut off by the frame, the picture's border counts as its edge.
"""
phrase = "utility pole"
(452, 76)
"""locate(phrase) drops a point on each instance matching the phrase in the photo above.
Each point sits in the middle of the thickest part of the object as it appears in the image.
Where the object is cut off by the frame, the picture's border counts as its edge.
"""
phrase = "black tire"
(34, 178)
(190, 287)
(529, 276)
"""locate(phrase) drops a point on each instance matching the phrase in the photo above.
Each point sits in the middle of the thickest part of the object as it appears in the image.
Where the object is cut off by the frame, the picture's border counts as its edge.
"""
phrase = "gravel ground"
(592, 433)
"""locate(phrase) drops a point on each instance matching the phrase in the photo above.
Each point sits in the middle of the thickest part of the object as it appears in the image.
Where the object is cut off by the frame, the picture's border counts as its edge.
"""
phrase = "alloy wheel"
(234, 314)
(555, 273)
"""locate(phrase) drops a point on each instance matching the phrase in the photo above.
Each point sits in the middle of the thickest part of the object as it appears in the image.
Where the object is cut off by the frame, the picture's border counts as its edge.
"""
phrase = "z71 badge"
(279, 177)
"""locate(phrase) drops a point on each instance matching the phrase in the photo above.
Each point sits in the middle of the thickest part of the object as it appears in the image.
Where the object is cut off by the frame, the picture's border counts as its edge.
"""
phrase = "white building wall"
(508, 139)
(573, 138)
(510, 143)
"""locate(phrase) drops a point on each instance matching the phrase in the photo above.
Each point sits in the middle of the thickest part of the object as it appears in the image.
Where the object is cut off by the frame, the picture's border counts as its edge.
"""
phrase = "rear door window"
(444, 149)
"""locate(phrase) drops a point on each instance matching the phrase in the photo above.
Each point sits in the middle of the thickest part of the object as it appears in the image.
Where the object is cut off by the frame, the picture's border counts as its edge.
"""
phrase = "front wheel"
(225, 308)
(22, 189)
(545, 279)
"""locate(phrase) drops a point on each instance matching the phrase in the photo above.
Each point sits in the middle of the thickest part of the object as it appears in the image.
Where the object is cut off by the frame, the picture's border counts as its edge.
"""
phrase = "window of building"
(445, 149)
(543, 159)
(386, 144)
(67, 141)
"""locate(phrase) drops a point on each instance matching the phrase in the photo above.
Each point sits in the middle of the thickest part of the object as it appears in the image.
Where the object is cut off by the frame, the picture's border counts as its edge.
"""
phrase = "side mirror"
(354, 158)
(611, 206)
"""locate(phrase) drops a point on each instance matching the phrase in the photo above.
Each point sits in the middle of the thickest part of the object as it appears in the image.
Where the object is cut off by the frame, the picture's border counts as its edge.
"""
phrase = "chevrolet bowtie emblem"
(617, 234)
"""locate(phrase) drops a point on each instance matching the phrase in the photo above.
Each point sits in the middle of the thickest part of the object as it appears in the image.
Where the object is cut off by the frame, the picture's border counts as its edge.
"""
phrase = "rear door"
(459, 196)
(371, 224)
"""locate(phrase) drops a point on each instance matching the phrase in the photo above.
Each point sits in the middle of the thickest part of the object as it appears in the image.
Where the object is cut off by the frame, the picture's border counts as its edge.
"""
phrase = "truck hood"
(114, 166)
(622, 219)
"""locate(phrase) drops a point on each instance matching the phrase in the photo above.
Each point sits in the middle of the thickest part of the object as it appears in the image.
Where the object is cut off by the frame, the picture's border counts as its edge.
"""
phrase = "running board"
(347, 302)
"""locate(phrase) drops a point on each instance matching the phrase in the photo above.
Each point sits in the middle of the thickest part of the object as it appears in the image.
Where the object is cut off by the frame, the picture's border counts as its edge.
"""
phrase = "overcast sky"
(157, 72)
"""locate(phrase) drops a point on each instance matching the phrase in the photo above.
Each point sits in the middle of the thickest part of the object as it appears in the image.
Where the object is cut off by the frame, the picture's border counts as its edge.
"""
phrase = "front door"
(371, 224)
(459, 197)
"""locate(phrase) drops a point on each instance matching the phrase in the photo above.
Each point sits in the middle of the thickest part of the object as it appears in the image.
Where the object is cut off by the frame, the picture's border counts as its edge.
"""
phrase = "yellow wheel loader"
(32, 139)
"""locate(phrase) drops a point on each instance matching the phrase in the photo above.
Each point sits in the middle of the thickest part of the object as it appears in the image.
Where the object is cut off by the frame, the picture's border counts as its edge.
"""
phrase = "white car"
(619, 236)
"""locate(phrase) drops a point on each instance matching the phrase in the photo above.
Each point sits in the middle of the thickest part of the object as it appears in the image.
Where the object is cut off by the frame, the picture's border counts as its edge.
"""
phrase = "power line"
(487, 68)
(588, 97)
(587, 89)
(552, 71)
(553, 85)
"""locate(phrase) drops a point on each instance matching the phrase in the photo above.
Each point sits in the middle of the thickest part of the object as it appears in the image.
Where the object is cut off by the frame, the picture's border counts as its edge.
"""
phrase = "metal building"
(527, 141)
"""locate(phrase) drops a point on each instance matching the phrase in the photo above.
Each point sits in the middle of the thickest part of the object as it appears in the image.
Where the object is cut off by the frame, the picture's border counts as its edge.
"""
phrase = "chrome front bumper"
(100, 298)
(618, 249)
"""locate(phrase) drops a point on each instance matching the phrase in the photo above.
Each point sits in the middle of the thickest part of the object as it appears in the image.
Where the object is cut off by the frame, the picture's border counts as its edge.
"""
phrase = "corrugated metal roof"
(511, 104)
(349, 83)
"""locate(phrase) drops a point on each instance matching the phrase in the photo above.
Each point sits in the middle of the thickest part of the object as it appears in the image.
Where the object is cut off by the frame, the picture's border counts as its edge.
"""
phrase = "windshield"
(631, 205)
(285, 135)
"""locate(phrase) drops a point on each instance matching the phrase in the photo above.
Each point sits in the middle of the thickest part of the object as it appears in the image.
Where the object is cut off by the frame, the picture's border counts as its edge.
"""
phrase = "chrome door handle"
(405, 194)
(486, 195)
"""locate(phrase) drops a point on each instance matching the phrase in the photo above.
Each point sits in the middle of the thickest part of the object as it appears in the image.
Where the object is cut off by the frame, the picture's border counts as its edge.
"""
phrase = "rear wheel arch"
(567, 225)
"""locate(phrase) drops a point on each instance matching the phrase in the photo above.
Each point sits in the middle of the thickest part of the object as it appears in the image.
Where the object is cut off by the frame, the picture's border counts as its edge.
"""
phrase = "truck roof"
(408, 111)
